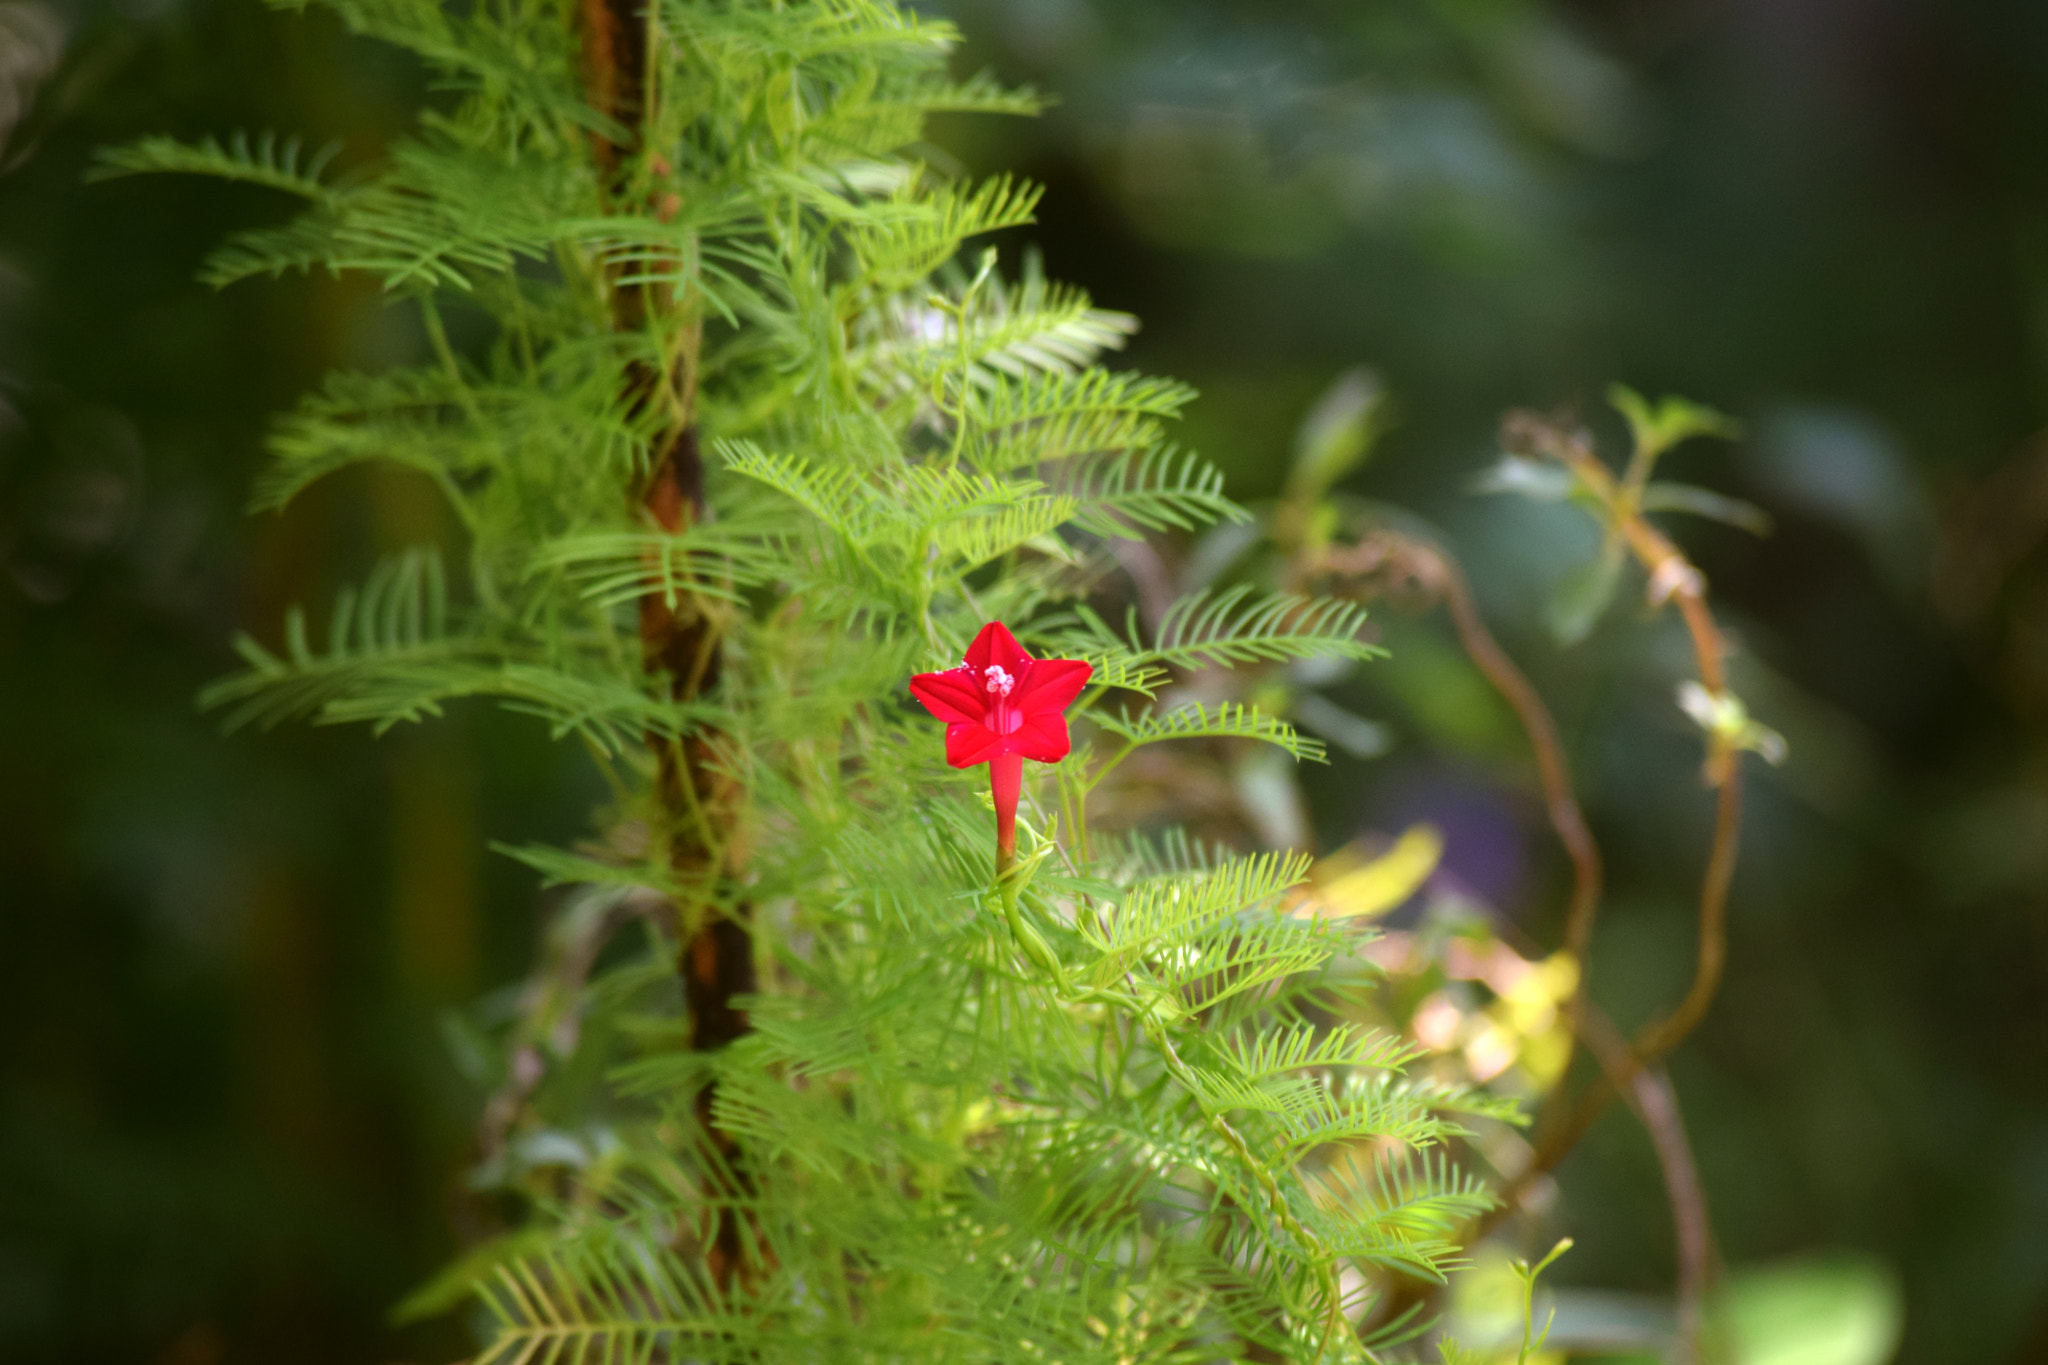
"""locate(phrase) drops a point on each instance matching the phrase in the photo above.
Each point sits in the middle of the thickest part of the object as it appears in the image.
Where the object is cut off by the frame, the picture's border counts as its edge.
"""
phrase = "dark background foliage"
(229, 1127)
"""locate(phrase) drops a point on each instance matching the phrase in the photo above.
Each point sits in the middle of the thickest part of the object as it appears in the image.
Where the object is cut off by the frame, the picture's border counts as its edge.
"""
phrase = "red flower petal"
(1051, 685)
(995, 645)
(1042, 738)
(1040, 690)
(953, 695)
(970, 743)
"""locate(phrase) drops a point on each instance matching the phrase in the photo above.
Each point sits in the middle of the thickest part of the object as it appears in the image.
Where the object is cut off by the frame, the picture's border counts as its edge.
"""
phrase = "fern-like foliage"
(394, 628)
(934, 1141)
(1128, 492)
(1235, 627)
(274, 162)
(1226, 720)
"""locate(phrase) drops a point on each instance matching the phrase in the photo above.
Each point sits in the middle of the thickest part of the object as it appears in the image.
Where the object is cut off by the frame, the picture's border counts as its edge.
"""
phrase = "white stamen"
(998, 682)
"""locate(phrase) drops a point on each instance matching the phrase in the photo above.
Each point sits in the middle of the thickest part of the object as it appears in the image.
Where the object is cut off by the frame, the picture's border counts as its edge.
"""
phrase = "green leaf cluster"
(938, 1142)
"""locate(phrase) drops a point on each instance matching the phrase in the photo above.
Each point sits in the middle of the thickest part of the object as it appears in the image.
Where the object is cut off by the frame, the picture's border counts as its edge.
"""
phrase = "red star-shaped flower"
(1001, 707)
(1002, 701)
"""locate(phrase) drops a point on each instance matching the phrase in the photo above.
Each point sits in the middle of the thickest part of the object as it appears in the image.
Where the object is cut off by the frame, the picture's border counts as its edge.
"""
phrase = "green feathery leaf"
(1207, 630)
(1225, 720)
(279, 164)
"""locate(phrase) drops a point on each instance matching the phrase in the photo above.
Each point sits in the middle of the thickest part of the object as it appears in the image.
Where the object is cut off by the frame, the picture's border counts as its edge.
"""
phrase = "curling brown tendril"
(1414, 569)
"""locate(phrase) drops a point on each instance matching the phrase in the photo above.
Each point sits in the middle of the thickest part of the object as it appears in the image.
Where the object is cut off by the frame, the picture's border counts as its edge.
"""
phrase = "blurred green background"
(229, 1129)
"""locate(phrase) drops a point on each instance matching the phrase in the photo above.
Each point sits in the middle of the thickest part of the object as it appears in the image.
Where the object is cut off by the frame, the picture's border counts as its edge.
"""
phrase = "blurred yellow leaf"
(1383, 883)
(1544, 1055)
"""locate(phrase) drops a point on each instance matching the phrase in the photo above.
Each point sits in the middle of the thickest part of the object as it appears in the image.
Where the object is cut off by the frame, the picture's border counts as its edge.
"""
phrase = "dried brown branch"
(680, 634)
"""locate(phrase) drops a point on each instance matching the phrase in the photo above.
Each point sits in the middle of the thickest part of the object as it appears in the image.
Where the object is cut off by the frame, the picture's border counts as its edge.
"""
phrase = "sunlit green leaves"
(1059, 414)
(1660, 425)
(434, 216)
(397, 621)
(964, 1131)
(707, 560)
(1302, 1047)
(553, 1308)
(905, 237)
(1171, 908)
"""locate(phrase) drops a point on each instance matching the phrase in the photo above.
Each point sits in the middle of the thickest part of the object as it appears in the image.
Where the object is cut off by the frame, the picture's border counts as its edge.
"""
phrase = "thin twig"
(1559, 802)
(1437, 572)
(1657, 1105)
(1627, 1068)
(1657, 1039)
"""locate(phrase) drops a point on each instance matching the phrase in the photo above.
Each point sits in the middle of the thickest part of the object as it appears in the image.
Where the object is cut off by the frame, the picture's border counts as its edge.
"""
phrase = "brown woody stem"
(698, 800)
